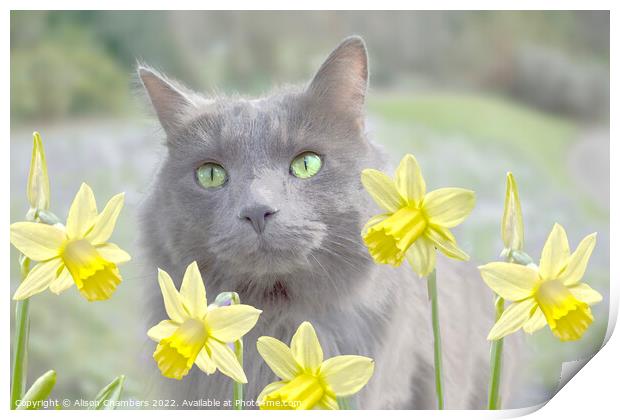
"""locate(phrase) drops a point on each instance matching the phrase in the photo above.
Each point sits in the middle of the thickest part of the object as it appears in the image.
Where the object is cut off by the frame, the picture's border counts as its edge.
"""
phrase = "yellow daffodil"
(308, 382)
(550, 294)
(197, 333)
(512, 221)
(78, 253)
(38, 190)
(416, 222)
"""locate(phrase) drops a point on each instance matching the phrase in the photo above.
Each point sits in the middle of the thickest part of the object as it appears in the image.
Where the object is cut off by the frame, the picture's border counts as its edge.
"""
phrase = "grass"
(541, 138)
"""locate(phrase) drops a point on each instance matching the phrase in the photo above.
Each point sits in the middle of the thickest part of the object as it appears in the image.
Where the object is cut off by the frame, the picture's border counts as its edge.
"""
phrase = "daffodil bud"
(227, 299)
(38, 392)
(38, 190)
(512, 221)
(47, 217)
(224, 299)
(517, 257)
(522, 258)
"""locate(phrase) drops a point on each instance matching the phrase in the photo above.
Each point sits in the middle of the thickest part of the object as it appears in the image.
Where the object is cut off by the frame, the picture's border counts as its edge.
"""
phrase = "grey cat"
(292, 247)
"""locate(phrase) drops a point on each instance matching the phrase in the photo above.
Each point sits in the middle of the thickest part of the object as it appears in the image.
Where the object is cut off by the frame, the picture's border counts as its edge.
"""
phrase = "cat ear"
(170, 102)
(342, 80)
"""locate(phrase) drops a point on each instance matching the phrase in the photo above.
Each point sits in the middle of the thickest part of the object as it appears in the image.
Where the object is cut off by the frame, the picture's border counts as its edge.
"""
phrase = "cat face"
(268, 189)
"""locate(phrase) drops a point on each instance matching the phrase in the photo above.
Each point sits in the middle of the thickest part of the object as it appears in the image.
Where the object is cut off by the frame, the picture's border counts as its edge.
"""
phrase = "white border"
(593, 393)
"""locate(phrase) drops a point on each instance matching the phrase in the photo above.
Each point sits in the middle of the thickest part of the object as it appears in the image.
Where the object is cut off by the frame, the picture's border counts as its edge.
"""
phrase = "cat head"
(266, 192)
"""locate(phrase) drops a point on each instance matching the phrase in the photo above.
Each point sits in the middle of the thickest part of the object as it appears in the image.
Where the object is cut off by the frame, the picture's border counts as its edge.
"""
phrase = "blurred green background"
(471, 94)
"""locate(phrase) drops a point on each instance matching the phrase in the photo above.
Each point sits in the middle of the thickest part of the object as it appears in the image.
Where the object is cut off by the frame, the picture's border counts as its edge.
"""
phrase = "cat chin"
(263, 264)
(262, 259)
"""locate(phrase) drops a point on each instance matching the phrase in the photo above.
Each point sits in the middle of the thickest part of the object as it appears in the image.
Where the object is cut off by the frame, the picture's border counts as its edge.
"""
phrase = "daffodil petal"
(113, 253)
(278, 357)
(443, 240)
(274, 386)
(510, 281)
(328, 402)
(578, 261)
(555, 253)
(62, 282)
(382, 189)
(536, 322)
(225, 360)
(513, 318)
(105, 222)
(421, 256)
(585, 293)
(82, 214)
(193, 291)
(409, 180)
(346, 375)
(306, 348)
(448, 207)
(204, 362)
(37, 241)
(162, 330)
(172, 298)
(230, 323)
(373, 221)
(38, 279)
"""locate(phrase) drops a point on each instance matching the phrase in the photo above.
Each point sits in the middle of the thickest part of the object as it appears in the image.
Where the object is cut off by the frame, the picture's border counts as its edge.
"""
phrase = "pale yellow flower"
(416, 222)
(38, 190)
(78, 253)
(197, 333)
(307, 381)
(550, 294)
(512, 221)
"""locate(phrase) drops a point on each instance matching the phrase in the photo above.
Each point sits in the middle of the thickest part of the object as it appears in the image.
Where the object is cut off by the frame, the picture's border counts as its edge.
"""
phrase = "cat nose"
(257, 215)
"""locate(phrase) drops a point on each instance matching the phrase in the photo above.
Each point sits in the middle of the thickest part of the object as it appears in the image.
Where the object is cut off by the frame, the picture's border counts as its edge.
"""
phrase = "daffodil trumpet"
(307, 381)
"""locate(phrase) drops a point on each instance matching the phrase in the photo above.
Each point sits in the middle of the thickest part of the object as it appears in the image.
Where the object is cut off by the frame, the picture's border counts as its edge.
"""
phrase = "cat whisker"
(328, 276)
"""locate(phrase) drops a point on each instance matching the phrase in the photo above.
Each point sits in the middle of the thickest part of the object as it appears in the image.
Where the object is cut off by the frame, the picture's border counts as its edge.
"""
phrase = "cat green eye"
(306, 165)
(211, 175)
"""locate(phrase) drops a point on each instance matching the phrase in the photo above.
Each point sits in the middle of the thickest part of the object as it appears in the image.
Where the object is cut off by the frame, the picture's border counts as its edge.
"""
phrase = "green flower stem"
(20, 352)
(432, 296)
(238, 387)
(497, 347)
